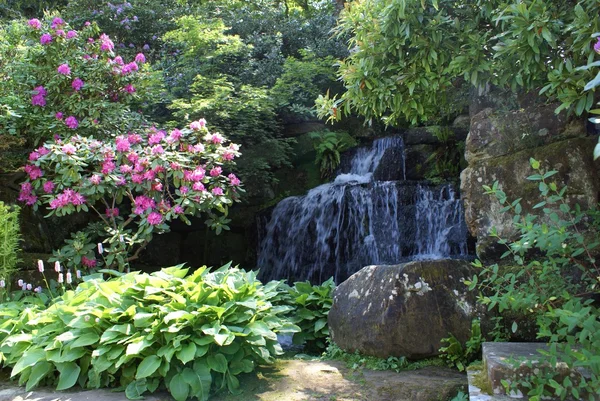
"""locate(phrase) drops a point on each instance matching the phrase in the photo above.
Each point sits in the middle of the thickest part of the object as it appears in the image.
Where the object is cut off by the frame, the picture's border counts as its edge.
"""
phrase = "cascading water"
(340, 227)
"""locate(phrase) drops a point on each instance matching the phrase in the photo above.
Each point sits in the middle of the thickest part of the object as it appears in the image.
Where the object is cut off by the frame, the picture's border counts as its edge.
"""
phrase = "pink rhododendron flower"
(68, 149)
(184, 189)
(38, 100)
(107, 44)
(198, 186)
(118, 60)
(33, 156)
(67, 197)
(157, 150)
(89, 263)
(175, 166)
(216, 171)
(71, 122)
(130, 88)
(40, 90)
(57, 22)
(71, 34)
(140, 58)
(216, 138)
(60, 32)
(122, 144)
(134, 138)
(155, 138)
(46, 39)
(227, 155)
(154, 218)
(149, 175)
(198, 125)
(217, 191)
(42, 150)
(178, 209)
(77, 84)
(34, 171)
(95, 179)
(64, 69)
(34, 23)
(174, 136)
(48, 187)
(233, 180)
(142, 203)
(59, 115)
(108, 167)
(137, 178)
(125, 168)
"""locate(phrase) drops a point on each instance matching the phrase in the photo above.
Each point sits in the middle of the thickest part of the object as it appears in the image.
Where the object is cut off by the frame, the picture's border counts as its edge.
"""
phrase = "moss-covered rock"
(572, 158)
(403, 310)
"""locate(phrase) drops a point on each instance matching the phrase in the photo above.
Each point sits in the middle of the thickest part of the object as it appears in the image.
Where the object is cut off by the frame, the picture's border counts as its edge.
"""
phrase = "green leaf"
(29, 358)
(69, 372)
(593, 83)
(217, 362)
(187, 353)
(514, 327)
(136, 389)
(148, 366)
(178, 388)
(86, 339)
(38, 372)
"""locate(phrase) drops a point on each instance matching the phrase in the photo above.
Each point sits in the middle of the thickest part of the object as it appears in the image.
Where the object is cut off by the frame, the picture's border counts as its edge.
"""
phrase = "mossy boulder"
(498, 133)
(403, 310)
(573, 160)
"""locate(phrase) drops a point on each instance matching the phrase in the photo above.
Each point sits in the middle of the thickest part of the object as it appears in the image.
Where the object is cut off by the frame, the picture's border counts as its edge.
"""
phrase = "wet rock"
(427, 135)
(402, 310)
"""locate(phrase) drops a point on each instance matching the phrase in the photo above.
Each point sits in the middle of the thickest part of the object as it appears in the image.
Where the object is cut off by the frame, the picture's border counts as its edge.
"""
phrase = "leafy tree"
(408, 56)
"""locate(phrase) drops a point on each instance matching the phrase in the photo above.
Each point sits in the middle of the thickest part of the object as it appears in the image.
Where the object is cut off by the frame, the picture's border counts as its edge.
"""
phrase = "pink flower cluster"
(64, 69)
(71, 122)
(39, 96)
(67, 197)
(77, 84)
(143, 203)
(107, 45)
(26, 195)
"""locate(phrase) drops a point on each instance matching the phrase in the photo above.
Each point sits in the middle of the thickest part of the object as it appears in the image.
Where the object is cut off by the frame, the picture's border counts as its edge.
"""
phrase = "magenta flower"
(64, 69)
(108, 167)
(48, 187)
(154, 218)
(34, 23)
(125, 169)
(87, 23)
(233, 180)
(130, 88)
(38, 100)
(118, 60)
(155, 138)
(87, 263)
(40, 90)
(227, 155)
(122, 144)
(134, 138)
(140, 58)
(215, 171)
(71, 122)
(217, 191)
(46, 39)
(77, 84)
(157, 150)
(33, 156)
(198, 125)
(107, 44)
(60, 32)
(184, 189)
(597, 46)
(178, 209)
(59, 115)
(71, 34)
(198, 186)
(34, 171)
(56, 22)
(217, 138)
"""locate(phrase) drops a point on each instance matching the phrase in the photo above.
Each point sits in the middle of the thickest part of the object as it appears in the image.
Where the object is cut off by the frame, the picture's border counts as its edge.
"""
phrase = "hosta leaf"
(148, 366)
(319, 324)
(86, 339)
(38, 372)
(217, 362)
(135, 389)
(69, 372)
(29, 358)
(178, 388)
(187, 353)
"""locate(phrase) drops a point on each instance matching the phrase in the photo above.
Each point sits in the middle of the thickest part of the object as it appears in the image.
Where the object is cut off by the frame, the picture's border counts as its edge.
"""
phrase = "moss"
(479, 378)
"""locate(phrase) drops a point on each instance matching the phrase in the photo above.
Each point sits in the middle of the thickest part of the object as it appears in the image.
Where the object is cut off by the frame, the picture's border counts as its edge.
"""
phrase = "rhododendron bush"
(57, 80)
(135, 183)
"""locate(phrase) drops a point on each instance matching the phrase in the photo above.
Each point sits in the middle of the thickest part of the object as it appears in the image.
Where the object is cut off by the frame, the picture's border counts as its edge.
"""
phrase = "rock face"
(499, 147)
(402, 310)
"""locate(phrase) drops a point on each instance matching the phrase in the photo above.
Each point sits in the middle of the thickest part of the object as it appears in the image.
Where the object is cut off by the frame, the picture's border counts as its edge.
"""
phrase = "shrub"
(310, 305)
(556, 281)
(10, 238)
(56, 79)
(329, 146)
(136, 184)
(459, 356)
(188, 334)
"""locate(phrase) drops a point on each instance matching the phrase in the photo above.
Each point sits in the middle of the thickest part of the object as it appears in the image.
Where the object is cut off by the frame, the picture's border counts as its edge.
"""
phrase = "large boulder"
(573, 160)
(403, 310)
(495, 133)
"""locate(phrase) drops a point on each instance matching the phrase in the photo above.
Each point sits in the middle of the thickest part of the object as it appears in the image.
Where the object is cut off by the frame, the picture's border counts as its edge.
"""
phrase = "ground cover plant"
(187, 333)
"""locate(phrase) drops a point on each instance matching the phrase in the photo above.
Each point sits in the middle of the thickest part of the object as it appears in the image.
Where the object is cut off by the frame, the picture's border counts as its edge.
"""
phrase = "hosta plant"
(189, 334)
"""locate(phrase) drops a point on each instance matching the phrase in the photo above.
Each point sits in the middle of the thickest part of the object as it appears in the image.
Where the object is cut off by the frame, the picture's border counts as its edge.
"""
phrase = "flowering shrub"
(136, 184)
(59, 79)
(146, 332)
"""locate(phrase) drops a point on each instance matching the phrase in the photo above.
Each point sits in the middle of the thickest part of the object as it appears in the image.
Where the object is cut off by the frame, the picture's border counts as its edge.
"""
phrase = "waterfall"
(339, 227)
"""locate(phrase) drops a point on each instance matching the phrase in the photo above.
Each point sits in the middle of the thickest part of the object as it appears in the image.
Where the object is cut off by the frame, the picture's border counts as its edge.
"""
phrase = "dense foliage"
(10, 238)
(553, 277)
(189, 334)
(409, 57)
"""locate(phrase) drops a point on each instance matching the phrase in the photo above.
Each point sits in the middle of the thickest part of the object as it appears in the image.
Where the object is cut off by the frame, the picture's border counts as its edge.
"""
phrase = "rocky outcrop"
(499, 147)
(402, 310)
